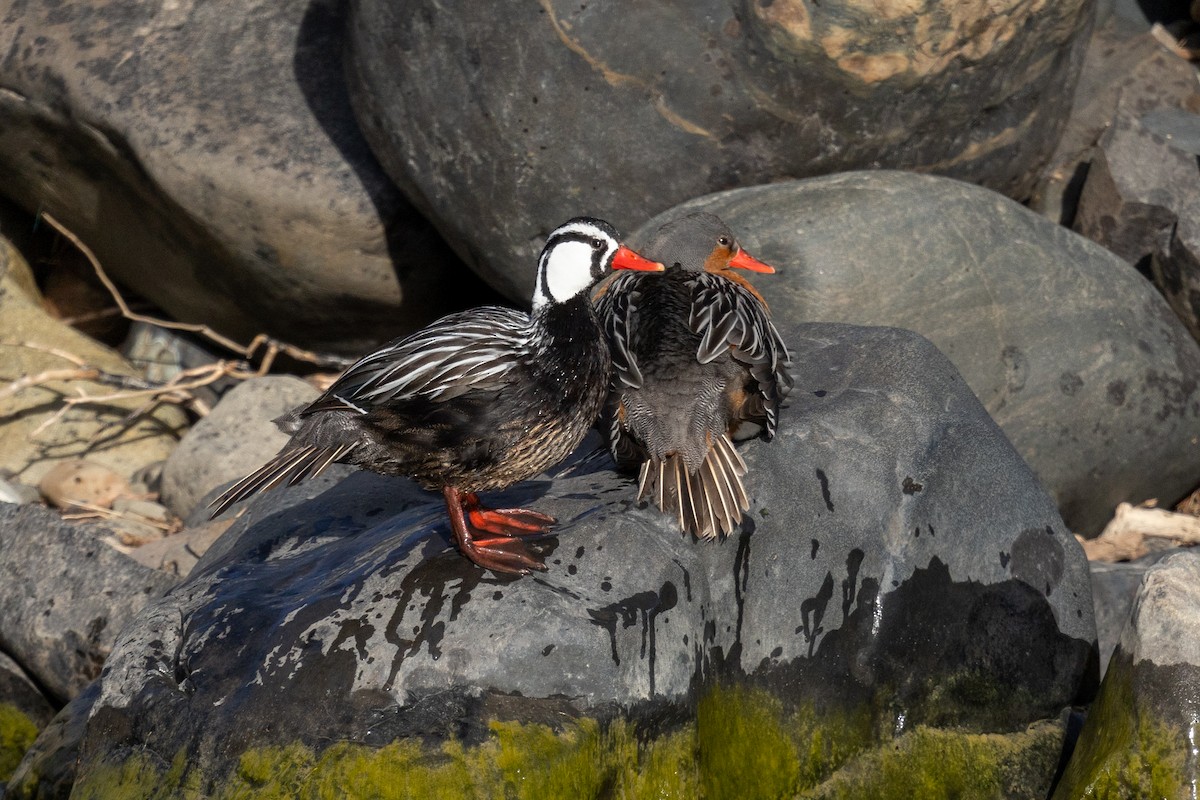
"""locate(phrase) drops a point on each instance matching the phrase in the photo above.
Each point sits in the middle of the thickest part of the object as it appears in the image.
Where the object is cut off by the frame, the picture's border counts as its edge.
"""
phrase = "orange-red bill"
(627, 259)
(743, 260)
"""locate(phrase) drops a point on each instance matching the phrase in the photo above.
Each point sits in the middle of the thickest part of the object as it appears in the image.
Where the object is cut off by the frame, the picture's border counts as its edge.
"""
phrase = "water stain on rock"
(643, 606)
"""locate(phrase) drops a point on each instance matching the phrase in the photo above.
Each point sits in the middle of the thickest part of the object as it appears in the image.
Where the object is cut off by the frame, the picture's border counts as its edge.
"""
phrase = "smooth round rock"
(500, 125)
(1074, 354)
(236, 438)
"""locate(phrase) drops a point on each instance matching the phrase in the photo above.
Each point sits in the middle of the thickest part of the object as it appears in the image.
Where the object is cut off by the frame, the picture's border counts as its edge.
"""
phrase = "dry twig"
(1125, 537)
(179, 389)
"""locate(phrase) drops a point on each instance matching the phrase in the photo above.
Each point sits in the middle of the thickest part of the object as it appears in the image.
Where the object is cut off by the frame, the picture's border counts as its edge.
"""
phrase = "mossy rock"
(743, 746)
(1126, 751)
(17, 732)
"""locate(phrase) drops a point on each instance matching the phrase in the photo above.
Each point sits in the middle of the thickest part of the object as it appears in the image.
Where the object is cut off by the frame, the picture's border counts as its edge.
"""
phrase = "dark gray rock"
(1123, 63)
(1070, 349)
(19, 692)
(64, 596)
(230, 186)
(1141, 198)
(1139, 739)
(496, 125)
(234, 439)
(900, 567)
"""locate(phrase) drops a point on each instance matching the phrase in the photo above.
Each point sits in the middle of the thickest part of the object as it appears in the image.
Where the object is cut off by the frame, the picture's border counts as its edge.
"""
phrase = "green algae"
(751, 748)
(744, 744)
(140, 776)
(17, 732)
(1124, 753)
(519, 762)
(928, 762)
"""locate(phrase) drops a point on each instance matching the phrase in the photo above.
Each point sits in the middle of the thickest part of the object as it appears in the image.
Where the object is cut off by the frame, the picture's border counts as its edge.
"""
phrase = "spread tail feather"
(707, 503)
(287, 468)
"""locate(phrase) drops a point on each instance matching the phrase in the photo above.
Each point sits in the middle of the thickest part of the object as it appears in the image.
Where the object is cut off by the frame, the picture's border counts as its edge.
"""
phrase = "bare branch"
(1125, 537)
(245, 351)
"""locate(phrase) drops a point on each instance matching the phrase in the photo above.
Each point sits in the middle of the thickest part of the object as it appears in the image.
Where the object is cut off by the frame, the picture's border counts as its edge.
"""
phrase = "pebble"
(82, 483)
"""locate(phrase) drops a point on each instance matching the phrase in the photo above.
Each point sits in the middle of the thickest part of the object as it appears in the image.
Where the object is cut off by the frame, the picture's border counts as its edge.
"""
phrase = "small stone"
(141, 508)
(12, 492)
(235, 438)
(178, 553)
(82, 483)
(1137, 738)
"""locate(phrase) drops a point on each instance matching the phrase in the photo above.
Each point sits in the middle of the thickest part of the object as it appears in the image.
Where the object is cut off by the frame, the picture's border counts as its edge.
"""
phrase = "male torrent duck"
(476, 401)
(696, 362)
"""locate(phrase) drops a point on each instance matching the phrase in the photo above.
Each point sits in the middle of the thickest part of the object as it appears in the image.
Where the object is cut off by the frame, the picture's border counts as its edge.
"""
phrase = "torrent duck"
(476, 401)
(696, 364)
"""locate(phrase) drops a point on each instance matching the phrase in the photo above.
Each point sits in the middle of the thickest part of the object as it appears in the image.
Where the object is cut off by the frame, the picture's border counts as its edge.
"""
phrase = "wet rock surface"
(64, 596)
(901, 570)
(628, 110)
(1139, 737)
(1071, 351)
(231, 187)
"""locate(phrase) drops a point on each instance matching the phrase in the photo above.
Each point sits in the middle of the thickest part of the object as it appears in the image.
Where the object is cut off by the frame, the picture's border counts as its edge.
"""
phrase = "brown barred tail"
(708, 503)
(288, 468)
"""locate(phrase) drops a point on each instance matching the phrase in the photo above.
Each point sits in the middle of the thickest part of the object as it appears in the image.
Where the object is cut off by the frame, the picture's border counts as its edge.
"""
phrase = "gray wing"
(730, 319)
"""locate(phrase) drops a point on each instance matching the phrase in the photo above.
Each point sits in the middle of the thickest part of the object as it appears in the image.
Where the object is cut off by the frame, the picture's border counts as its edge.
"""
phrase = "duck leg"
(506, 522)
(499, 552)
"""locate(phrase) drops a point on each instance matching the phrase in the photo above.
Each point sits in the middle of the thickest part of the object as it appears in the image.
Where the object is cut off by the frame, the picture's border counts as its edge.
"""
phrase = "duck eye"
(598, 244)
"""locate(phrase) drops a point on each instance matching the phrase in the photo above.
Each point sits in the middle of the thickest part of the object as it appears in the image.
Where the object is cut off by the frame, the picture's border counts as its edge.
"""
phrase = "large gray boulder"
(1082, 363)
(902, 582)
(495, 123)
(206, 151)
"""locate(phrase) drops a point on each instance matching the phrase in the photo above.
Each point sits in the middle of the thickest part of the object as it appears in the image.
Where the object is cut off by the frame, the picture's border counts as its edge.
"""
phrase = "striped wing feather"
(730, 319)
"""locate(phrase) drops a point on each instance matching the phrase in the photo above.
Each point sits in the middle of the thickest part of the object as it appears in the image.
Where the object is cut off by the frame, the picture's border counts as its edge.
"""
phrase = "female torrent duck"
(477, 400)
(696, 362)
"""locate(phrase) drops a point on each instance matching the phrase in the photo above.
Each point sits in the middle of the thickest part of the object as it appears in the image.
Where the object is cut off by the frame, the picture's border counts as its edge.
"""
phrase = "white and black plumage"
(477, 400)
(697, 362)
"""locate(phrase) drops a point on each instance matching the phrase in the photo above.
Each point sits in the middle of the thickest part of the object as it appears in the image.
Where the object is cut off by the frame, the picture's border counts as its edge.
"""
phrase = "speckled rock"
(64, 596)
(231, 187)
(234, 439)
(901, 578)
(96, 432)
(1069, 348)
(1139, 739)
(625, 109)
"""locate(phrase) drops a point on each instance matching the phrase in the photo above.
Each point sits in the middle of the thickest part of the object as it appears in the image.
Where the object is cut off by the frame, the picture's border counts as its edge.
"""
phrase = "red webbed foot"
(489, 536)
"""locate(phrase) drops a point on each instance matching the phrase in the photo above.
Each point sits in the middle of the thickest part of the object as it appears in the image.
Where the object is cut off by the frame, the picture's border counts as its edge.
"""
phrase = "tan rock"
(73, 483)
(28, 338)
